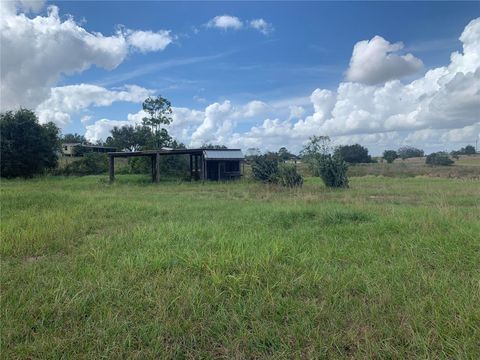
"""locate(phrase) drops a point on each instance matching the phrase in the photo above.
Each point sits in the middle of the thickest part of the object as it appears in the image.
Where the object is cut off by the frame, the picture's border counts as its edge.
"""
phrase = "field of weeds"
(388, 268)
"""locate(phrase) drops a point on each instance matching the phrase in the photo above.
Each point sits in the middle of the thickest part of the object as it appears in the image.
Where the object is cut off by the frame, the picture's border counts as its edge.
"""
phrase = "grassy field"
(389, 268)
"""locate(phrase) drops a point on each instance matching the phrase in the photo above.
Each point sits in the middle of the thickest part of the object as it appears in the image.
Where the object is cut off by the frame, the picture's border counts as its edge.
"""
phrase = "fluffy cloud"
(440, 109)
(217, 123)
(255, 108)
(296, 112)
(214, 124)
(12, 6)
(377, 61)
(67, 100)
(36, 52)
(185, 122)
(146, 41)
(225, 22)
(100, 130)
(436, 111)
(261, 25)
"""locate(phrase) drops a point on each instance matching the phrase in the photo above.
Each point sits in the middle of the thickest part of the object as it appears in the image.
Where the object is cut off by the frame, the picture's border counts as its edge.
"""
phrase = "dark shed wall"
(223, 169)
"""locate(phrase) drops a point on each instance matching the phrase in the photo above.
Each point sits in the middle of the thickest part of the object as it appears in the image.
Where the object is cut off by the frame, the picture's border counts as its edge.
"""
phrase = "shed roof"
(223, 154)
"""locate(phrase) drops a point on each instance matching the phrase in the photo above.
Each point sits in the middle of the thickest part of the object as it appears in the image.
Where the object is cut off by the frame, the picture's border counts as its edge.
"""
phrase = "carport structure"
(205, 164)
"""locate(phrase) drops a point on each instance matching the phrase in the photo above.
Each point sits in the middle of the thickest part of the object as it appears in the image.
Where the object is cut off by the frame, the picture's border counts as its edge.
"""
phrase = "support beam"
(152, 167)
(204, 167)
(157, 167)
(196, 168)
(111, 168)
(191, 167)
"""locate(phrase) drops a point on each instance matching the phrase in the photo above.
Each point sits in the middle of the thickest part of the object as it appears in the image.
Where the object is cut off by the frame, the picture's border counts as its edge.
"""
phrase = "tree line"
(29, 148)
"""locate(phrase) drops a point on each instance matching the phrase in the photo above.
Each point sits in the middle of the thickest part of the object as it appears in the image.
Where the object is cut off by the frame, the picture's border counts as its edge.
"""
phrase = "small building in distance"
(223, 164)
(78, 149)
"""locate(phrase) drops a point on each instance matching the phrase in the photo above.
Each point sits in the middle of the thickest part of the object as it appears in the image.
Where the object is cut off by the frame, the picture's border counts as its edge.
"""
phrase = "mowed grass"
(389, 268)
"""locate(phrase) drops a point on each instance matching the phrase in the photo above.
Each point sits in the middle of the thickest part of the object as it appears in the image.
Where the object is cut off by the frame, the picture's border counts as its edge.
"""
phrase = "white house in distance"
(70, 149)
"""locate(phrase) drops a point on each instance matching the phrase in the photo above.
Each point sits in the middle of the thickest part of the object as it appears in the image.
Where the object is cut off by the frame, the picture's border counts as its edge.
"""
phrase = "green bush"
(354, 154)
(439, 158)
(288, 176)
(390, 155)
(407, 152)
(89, 164)
(333, 171)
(265, 168)
(27, 148)
(139, 165)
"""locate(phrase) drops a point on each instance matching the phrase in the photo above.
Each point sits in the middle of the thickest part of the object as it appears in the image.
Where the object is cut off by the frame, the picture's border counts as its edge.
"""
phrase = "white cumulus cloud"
(146, 41)
(36, 52)
(225, 22)
(255, 108)
(65, 101)
(377, 61)
(261, 25)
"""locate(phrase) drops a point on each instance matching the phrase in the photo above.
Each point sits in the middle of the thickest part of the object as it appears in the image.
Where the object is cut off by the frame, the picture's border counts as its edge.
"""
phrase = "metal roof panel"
(223, 154)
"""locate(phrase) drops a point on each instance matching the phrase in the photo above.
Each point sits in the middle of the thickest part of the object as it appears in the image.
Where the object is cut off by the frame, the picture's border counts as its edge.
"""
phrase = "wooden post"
(204, 167)
(191, 167)
(157, 167)
(196, 168)
(152, 167)
(111, 168)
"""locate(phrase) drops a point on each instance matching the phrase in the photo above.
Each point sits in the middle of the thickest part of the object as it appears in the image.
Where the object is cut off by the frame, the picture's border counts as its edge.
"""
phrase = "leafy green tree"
(390, 156)
(212, 146)
(27, 148)
(284, 155)
(265, 168)
(159, 112)
(333, 171)
(314, 151)
(439, 159)
(467, 150)
(74, 138)
(407, 152)
(90, 164)
(354, 154)
(131, 138)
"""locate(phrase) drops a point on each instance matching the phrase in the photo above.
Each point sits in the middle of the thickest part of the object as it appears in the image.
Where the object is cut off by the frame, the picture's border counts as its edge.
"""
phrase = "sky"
(250, 74)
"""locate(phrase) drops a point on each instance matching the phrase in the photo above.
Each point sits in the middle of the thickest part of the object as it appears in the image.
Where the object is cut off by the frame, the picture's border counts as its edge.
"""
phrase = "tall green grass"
(386, 269)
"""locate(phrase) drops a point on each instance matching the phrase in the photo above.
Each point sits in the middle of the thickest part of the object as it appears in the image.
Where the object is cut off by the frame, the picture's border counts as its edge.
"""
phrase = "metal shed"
(223, 164)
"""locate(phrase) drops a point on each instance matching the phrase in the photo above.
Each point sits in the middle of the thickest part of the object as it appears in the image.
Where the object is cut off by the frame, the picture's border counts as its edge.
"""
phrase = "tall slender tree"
(159, 112)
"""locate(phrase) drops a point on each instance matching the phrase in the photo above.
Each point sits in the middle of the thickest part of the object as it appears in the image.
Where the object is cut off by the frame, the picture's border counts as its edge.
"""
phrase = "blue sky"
(308, 46)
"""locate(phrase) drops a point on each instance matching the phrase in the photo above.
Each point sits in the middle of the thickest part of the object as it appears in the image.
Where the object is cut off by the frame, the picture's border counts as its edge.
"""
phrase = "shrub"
(27, 148)
(333, 171)
(467, 150)
(89, 164)
(409, 152)
(353, 154)
(265, 168)
(139, 165)
(288, 176)
(390, 155)
(313, 152)
(439, 158)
